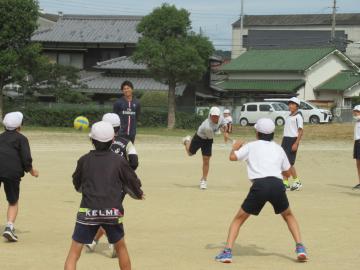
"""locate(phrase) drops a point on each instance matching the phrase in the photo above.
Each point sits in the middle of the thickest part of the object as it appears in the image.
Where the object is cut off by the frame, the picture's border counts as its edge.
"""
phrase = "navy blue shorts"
(12, 190)
(85, 234)
(287, 144)
(268, 189)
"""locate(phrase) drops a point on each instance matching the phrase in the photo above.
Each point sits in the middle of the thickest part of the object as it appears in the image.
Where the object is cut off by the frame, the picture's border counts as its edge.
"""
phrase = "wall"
(321, 72)
(353, 32)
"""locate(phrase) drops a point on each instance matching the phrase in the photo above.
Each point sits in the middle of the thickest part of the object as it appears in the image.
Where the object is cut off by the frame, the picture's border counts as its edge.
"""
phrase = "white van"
(251, 112)
(311, 113)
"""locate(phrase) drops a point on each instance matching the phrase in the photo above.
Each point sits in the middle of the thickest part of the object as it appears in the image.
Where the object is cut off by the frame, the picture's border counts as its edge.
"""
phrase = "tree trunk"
(1, 97)
(171, 105)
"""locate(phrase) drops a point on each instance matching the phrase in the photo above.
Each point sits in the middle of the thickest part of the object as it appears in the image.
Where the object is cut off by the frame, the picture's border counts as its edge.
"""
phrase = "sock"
(10, 224)
(286, 182)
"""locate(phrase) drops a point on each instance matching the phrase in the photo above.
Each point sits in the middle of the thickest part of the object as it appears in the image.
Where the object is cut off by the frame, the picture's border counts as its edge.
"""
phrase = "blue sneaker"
(225, 256)
(301, 253)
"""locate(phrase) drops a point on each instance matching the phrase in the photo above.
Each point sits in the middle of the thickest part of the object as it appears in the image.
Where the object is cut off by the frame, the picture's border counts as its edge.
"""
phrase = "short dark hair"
(127, 83)
(101, 146)
(266, 137)
(116, 130)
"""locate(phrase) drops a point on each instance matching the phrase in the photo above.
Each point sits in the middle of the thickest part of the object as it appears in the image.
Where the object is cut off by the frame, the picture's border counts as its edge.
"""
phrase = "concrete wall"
(353, 32)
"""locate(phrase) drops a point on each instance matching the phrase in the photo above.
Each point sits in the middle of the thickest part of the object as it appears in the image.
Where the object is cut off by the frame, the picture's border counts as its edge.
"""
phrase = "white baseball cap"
(112, 118)
(215, 111)
(226, 111)
(265, 126)
(102, 131)
(294, 100)
(13, 120)
(356, 108)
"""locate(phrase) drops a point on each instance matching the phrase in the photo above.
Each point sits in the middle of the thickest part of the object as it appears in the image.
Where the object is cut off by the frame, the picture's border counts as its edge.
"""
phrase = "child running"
(103, 178)
(266, 163)
(228, 119)
(15, 159)
(124, 148)
(204, 138)
(356, 114)
(293, 132)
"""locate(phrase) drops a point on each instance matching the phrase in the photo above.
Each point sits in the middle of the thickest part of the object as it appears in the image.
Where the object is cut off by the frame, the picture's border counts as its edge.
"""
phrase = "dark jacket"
(129, 112)
(104, 178)
(15, 155)
(120, 147)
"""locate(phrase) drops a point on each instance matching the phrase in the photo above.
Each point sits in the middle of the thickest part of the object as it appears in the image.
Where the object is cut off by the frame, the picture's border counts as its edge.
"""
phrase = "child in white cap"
(228, 119)
(125, 148)
(103, 178)
(293, 132)
(15, 159)
(203, 139)
(266, 164)
(356, 153)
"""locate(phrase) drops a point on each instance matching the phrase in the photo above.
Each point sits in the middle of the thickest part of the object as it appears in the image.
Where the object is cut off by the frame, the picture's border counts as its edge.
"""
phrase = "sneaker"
(112, 251)
(286, 184)
(356, 187)
(296, 186)
(91, 247)
(225, 256)
(301, 253)
(203, 184)
(9, 234)
(186, 139)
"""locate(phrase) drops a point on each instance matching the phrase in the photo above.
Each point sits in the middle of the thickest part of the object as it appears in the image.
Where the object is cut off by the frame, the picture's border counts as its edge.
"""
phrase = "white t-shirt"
(207, 129)
(228, 119)
(263, 159)
(357, 131)
(292, 125)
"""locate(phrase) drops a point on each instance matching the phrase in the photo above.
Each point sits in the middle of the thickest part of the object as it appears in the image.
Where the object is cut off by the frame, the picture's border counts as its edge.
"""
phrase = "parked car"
(310, 112)
(251, 112)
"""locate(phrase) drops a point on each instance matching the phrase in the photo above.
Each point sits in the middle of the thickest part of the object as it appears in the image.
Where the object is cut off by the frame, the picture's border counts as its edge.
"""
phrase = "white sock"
(10, 224)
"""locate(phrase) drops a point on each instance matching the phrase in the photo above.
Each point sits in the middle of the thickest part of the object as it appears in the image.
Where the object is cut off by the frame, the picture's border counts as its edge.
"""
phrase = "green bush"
(63, 115)
(154, 99)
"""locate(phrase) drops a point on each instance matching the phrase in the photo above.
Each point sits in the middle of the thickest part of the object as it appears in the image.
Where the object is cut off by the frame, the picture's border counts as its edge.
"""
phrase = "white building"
(297, 31)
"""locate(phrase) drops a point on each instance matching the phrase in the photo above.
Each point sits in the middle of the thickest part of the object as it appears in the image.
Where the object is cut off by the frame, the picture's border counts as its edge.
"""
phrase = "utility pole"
(333, 26)
(242, 17)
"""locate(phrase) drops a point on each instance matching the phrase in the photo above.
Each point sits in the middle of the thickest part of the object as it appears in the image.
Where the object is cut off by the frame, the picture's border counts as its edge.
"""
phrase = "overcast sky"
(213, 16)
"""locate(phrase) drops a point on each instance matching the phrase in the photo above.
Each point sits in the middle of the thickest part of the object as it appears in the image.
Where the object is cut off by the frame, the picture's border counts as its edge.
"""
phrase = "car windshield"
(280, 106)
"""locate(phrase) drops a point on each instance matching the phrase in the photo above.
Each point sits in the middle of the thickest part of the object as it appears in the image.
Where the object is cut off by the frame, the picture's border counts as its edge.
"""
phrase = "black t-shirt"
(104, 178)
(129, 112)
(15, 155)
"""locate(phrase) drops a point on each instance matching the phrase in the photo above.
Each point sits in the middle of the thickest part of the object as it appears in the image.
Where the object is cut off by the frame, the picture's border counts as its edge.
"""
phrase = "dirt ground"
(180, 227)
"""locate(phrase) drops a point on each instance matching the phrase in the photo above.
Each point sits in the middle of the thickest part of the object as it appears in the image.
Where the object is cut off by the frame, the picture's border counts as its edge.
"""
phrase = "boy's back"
(15, 156)
(103, 177)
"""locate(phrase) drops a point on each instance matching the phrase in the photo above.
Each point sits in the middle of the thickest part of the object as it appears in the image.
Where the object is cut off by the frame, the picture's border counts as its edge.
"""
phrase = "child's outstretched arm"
(26, 158)
(77, 176)
(132, 184)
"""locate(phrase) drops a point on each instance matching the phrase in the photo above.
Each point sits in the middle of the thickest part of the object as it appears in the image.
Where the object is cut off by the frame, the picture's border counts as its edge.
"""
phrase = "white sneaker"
(203, 184)
(296, 186)
(186, 139)
(112, 251)
(91, 247)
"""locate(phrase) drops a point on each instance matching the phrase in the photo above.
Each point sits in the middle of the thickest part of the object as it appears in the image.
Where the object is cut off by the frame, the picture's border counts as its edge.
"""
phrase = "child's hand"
(34, 172)
(237, 145)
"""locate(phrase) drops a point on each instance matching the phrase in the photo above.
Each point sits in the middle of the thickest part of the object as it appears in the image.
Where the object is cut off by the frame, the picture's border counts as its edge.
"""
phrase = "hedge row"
(64, 117)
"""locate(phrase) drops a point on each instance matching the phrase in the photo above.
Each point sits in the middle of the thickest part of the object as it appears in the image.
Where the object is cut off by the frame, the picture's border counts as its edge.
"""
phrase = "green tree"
(173, 53)
(18, 20)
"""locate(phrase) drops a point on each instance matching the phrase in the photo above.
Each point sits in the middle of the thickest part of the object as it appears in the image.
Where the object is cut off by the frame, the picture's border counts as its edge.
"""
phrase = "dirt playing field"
(180, 227)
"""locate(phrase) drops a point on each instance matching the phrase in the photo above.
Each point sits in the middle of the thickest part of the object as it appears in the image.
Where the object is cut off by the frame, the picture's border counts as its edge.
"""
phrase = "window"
(305, 106)
(71, 59)
(265, 108)
(251, 108)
